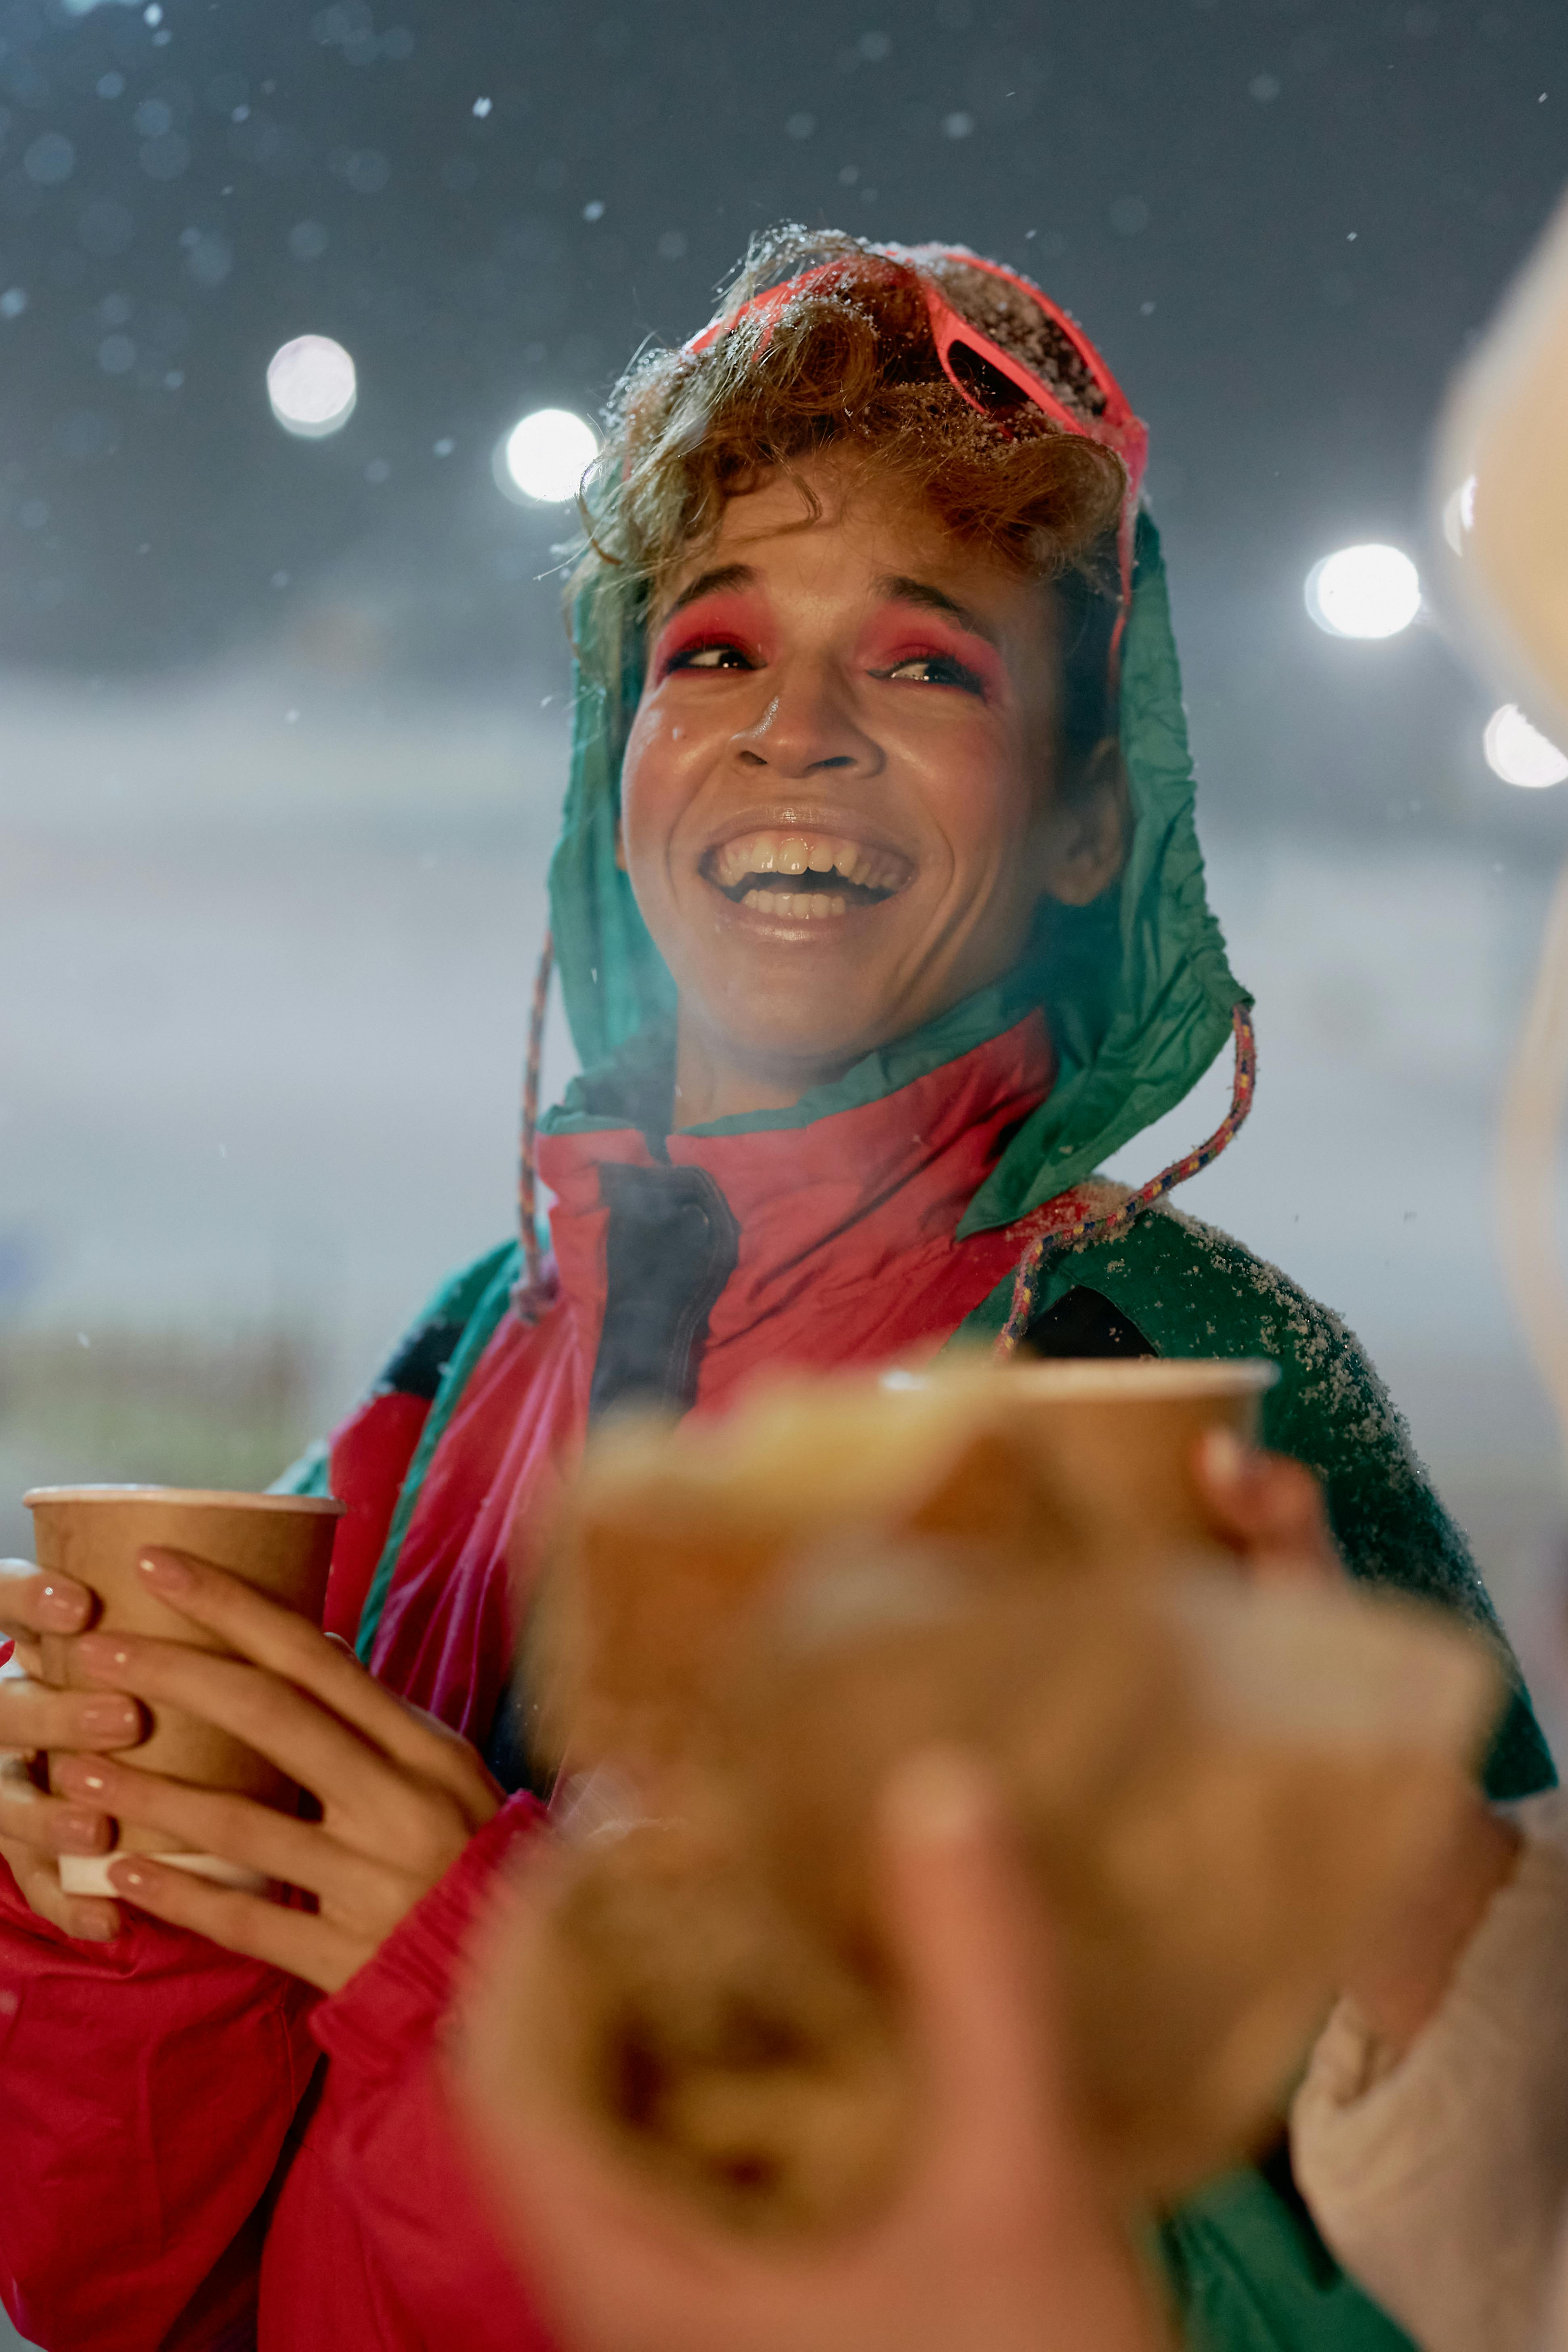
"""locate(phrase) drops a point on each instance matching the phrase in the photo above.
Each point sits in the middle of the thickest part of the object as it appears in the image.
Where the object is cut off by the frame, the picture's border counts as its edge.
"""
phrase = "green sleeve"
(310, 1474)
(472, 1309)
(1248, 2272)
(444, 1318)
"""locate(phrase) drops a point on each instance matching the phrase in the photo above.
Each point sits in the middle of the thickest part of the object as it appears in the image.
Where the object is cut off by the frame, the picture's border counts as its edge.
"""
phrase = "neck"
(711, 1083)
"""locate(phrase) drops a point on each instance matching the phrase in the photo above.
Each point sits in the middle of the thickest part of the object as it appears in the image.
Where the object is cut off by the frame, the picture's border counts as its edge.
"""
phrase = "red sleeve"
(148, 2089)
(368, 1457)
(390, 2152)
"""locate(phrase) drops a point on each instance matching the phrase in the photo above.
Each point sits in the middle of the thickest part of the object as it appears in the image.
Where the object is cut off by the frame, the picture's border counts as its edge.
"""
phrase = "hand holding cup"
(97, 1537)
(395, 1794)
(37, 1827)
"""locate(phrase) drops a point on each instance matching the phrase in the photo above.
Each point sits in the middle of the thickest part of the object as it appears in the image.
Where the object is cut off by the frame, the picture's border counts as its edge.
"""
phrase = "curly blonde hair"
(850, 363)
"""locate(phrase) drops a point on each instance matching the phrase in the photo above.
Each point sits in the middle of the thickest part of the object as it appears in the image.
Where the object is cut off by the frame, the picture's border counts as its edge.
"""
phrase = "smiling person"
(880, 921)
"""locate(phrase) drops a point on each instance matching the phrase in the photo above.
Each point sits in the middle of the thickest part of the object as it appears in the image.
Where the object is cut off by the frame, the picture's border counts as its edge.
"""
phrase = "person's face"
(840, 803)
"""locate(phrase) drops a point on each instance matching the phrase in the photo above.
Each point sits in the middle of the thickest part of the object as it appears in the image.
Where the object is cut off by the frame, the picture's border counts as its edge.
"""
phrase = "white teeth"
(797, 906)
(754, 854)
(797, 853)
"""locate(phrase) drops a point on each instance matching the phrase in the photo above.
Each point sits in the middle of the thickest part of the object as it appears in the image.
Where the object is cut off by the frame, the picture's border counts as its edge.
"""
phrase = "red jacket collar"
(831, 1203)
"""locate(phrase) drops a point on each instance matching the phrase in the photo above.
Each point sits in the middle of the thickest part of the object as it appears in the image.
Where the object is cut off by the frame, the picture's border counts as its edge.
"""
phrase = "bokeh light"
(544, 458)
(1519, 753)
(313, 386)
(1363, 591)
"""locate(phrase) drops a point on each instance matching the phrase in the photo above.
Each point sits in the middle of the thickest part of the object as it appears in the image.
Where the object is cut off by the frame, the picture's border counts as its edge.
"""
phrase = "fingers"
(270, 1716)
(588, 2226)
(298, 1942)
(1007, 2168)
(442, 1755)
(32, 1602)
(85, 1917)
(283, 1642)
(974, 1956)
(35, 1716)
(1268, 1507)
(210, 1821)
(1427, 1915)
(36, 1822)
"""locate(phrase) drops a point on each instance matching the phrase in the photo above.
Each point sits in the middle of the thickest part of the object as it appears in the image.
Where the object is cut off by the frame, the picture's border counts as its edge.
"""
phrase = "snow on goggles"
(1084, 399)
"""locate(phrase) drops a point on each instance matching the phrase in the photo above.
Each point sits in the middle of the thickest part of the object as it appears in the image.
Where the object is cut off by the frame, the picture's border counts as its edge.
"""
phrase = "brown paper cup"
(280, 1544)
(1119, 1439)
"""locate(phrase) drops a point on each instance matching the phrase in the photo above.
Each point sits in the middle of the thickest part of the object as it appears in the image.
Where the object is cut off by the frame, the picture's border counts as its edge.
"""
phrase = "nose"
(808, 727)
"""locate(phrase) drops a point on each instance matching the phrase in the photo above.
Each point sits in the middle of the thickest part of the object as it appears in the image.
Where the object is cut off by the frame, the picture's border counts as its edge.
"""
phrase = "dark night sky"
(1280, 220)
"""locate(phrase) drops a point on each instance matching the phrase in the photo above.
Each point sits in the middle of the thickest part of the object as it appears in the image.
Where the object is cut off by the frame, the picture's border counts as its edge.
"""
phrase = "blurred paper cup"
(1120, 1440)
(1038, 1470)
(279, 1544)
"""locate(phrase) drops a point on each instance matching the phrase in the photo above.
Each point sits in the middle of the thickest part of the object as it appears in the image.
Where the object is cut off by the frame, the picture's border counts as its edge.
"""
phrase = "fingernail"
(164, 1574)
(940, 1797)
(64, 1606)
(101, 1654)
(83, 1832)
(1224, 1457)
(110, 1718)
(128, 1877)
(78, 1777)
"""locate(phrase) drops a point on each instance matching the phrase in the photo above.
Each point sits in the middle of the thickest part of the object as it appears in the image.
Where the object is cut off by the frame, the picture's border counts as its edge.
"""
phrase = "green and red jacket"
(252, 2159)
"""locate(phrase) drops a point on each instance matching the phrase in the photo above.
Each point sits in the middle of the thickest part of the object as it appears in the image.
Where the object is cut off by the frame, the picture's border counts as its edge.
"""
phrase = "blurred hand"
(1407, 1962)
(994, 2241)
(1270, 1510)
(1267, 1508)
(34, 1827)
(400, 1795)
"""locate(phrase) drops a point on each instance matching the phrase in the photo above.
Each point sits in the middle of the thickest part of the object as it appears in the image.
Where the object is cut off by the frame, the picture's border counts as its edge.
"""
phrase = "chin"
(793, 1041)
(812, 1055)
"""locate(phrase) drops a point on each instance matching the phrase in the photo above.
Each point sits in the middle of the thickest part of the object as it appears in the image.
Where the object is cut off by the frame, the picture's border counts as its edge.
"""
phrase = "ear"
(620, 844)
(1085, 831)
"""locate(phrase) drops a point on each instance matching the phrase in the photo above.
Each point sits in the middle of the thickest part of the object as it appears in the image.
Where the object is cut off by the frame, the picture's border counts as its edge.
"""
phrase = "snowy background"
(281, 722)
(262, 1051)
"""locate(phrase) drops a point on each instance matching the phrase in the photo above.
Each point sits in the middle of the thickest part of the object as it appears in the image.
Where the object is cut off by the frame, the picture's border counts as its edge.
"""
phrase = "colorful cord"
(1087, 1229)
(532, 1292)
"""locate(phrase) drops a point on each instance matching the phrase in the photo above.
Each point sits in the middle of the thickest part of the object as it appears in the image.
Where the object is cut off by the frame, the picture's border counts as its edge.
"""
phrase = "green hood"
(1136, 987)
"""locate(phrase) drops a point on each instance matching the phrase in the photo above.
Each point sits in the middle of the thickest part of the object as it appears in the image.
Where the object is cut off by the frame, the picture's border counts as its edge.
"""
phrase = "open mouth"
(806, 876)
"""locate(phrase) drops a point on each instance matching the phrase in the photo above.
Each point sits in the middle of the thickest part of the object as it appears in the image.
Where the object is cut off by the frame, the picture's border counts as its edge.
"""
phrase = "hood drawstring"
(1047, 1247)
(536, 1289)
(533, 1293)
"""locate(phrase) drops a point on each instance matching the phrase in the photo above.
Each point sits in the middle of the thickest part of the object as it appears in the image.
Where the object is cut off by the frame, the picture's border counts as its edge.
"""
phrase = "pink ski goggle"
(990, 378)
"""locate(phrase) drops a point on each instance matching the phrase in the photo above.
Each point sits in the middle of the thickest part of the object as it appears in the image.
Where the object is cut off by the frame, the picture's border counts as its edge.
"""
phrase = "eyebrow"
(711, 584)
(896, 587)
(901, 590)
